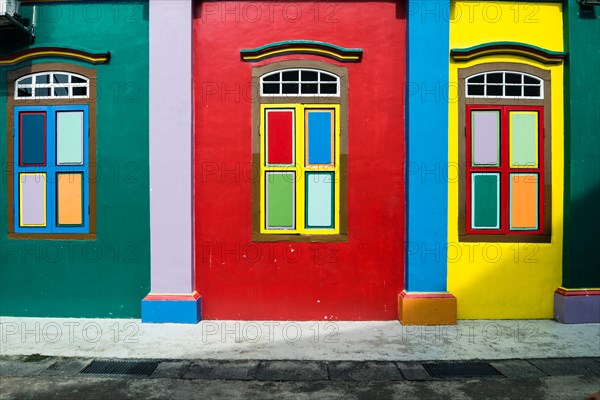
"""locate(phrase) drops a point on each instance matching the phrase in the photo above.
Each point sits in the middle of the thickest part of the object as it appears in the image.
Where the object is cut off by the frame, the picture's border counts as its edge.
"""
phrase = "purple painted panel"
(576, 309)
(486, 135)
(32, 199)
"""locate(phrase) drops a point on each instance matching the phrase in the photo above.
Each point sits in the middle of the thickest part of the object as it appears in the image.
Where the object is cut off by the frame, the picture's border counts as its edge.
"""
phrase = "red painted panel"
(359, 279)
(280, 137)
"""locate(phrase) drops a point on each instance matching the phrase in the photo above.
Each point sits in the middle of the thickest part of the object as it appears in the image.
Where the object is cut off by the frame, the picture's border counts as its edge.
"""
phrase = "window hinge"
(88, 210)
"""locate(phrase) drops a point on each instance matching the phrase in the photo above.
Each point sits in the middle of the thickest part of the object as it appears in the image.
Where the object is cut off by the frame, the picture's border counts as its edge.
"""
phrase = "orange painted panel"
(69, 199)
(524, 201)
(430, 309)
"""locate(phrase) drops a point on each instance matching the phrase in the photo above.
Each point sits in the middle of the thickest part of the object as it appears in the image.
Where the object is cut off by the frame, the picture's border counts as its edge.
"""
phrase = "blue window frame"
(51, 169)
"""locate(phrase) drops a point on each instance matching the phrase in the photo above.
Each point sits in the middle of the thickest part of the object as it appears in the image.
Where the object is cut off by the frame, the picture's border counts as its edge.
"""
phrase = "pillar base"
(426, 308)
(172, 308)
(577, 306)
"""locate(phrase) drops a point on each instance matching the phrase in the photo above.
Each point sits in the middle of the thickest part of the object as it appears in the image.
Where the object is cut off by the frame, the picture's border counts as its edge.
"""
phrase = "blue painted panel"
(427, 145)
(32, 139)
(319, 137)
(172, 311)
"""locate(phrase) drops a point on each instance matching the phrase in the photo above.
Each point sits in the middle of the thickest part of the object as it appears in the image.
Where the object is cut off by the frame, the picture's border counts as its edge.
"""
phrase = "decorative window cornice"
(508, 48)
(54, 52)
(287, 47)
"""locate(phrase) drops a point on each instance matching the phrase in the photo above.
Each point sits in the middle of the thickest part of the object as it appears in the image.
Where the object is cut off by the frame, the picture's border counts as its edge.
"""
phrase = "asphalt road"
(39, 377)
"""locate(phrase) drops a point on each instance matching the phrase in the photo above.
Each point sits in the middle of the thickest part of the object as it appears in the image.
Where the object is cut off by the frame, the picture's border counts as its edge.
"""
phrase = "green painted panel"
(108, 276)
(582, 147)
(485, 201)
(280, 200)
(523, 139)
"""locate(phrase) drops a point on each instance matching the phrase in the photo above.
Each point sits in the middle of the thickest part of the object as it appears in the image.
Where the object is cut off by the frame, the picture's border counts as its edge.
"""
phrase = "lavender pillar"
(172, 297)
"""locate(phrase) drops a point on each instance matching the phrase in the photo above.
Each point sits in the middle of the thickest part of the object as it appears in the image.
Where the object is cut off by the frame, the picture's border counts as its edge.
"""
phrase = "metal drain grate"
(461, 370)
(120, 367)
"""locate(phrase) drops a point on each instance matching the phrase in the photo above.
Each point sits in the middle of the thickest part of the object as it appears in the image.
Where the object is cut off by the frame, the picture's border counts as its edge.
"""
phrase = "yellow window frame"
(300, 168)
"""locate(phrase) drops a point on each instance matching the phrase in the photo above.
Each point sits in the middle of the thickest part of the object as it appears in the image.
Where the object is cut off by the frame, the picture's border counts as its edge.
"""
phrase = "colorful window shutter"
(505, 170)
(300, 169)
(52, 175)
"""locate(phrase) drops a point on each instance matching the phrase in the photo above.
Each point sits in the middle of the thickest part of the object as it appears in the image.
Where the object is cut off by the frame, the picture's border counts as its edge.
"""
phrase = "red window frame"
(504, 170)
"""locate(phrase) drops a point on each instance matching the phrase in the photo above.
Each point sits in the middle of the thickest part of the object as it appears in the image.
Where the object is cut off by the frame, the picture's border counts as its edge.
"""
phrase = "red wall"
(356, 280)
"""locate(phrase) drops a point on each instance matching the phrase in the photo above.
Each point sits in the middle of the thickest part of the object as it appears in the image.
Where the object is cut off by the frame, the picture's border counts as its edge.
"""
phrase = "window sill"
(263, 237)
(52, 236)
(543, 238)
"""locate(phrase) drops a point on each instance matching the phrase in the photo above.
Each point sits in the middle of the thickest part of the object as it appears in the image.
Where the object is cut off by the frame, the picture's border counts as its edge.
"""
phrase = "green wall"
(582, 148)
(109, 276)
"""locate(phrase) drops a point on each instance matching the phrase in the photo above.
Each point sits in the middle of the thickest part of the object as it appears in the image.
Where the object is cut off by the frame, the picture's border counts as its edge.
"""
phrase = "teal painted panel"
(108, 276)
(319, 199)
(69, 137)
(485, 201)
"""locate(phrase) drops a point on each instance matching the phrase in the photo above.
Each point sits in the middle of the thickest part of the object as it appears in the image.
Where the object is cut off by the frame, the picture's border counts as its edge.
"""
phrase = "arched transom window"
(505, 84)
(52, 85)
(299, 82)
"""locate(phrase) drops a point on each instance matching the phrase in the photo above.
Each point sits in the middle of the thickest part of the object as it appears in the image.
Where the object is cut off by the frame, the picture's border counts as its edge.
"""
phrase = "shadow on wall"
(582, 236)
(588, 12)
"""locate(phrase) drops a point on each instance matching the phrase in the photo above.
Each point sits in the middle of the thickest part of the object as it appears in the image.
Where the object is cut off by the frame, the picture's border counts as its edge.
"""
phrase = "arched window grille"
(505, 84)
(300, 82)
(52, 85)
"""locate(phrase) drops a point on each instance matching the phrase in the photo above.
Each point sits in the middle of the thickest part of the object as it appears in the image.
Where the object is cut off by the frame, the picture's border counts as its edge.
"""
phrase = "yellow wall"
(520, 281)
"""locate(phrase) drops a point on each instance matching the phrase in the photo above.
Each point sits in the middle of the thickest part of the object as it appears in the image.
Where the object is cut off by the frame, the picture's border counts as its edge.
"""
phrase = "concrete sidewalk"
(280, 340)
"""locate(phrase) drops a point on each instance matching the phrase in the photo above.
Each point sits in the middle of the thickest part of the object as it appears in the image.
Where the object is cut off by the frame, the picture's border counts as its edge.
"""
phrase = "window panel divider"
(301, 174)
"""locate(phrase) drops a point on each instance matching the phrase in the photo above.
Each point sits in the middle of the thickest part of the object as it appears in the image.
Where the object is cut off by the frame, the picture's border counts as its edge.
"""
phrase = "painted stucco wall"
(506, 280)
(582, 148)
(106, 277)
(171, 171)
(356, 279)
(426, 193)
